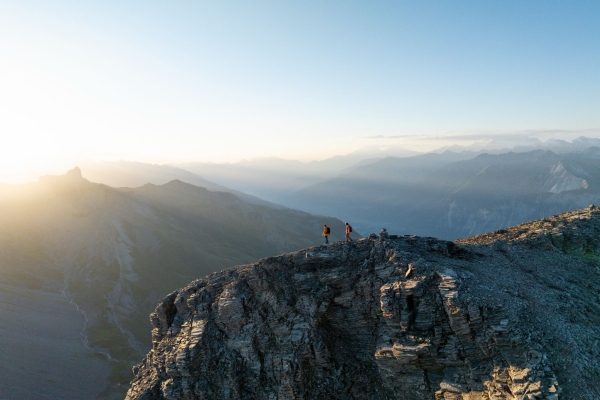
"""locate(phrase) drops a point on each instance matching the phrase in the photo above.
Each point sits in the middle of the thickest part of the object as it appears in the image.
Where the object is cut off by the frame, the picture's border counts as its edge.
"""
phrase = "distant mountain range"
(134, 174)
(277, 182)
(440, 194)
(443, 196)
(273, 179)
(113, 253)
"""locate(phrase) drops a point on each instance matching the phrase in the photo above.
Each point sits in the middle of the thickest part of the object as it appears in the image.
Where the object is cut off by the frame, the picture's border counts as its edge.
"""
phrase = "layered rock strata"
(509, 315)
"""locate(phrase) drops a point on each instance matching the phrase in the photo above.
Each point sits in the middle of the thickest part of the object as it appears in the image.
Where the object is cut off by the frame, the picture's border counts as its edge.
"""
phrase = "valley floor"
(44, 322)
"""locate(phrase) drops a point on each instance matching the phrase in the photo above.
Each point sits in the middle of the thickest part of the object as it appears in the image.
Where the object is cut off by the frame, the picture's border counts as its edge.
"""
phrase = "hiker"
(326, 232)
(348, 230)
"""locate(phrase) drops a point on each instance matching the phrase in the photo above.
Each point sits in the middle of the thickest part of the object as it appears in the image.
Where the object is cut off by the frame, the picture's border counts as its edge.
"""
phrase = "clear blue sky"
(163, 81)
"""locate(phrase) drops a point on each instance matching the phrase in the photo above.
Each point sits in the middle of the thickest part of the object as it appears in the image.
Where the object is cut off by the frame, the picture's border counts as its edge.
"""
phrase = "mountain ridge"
(135, 174)
(509, 314)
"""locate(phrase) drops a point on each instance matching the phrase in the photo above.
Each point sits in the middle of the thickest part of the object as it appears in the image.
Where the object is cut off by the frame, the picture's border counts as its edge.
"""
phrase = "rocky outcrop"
(509, 315)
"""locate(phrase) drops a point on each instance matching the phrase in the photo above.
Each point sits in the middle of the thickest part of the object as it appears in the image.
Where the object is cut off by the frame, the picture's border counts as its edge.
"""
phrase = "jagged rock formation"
(513, 314)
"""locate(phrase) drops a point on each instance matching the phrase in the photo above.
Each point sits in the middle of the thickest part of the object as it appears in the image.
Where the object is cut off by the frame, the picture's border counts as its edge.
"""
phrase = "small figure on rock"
(348, 231)
(326, 233)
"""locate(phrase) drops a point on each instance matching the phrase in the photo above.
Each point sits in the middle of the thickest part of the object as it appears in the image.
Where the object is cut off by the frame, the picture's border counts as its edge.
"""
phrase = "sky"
(161, 82)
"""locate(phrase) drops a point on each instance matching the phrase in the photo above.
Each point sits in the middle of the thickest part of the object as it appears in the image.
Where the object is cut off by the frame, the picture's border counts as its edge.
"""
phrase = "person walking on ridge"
(326, 232)
(348, 230)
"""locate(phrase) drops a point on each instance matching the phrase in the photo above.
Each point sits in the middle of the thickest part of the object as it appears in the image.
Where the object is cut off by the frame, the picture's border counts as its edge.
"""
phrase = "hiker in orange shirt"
(326, 232)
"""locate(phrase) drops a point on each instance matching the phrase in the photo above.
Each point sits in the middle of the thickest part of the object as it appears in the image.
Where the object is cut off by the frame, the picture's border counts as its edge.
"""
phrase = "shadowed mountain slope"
(113, 253)
(509, 315)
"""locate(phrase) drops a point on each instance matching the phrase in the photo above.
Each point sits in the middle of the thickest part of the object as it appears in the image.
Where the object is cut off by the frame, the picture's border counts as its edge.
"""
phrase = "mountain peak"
(72, 177)
(399, 317)
(74, 173)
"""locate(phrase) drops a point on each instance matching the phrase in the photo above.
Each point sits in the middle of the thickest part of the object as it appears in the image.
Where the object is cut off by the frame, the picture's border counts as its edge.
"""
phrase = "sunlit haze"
(166, 82)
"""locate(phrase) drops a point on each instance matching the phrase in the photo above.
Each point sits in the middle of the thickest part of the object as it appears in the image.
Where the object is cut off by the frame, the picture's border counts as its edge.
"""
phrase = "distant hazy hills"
(82, 264)
(134, 174)
(113, 253)
(277, 180)
(440, 195)
(274, 179)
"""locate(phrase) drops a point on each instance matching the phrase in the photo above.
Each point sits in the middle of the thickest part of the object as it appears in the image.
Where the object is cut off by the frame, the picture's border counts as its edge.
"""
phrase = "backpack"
(350, 226)
(328, 230)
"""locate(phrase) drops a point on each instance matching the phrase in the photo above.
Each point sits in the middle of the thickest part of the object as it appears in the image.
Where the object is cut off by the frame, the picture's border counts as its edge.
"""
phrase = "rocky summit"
(514, 314)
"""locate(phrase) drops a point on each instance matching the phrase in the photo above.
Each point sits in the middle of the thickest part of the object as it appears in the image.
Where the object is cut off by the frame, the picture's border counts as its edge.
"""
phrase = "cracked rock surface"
(514, 314)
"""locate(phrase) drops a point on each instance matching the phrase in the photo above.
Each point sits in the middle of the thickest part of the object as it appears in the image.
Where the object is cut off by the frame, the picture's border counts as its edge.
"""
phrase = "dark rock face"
(514, 314)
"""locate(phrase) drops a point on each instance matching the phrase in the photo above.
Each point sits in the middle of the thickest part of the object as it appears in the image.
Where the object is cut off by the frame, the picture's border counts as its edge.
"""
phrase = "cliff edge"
(514, 314)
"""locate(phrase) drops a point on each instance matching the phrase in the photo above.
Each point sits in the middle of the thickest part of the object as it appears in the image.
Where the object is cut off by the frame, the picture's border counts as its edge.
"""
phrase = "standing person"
(326, 232)
(348, 230)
